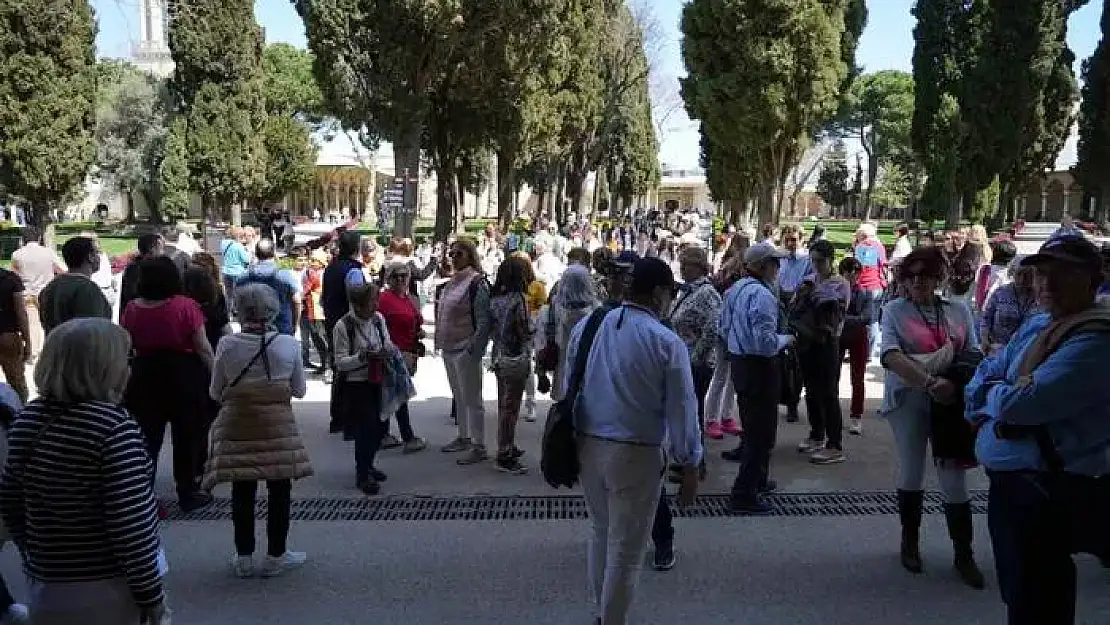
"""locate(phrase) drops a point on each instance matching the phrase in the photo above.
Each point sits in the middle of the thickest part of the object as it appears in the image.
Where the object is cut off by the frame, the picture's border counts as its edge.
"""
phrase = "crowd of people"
(656, 341)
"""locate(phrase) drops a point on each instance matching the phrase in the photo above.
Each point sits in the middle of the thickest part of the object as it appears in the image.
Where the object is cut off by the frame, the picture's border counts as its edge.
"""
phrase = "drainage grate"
(557, 508)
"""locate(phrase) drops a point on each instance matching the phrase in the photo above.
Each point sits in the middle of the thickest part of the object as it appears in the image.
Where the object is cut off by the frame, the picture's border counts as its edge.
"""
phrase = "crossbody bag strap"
(260, 354)
(583, 356)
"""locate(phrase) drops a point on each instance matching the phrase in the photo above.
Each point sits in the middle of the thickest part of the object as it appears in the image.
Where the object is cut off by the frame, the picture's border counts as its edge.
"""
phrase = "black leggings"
(278, 506)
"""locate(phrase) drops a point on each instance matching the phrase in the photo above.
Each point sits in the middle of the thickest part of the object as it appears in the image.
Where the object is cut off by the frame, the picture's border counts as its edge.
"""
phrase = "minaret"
(153, 52)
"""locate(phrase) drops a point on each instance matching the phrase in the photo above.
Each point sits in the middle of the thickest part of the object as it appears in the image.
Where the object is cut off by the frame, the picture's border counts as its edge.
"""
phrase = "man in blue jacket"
(1042, 406)
(333, 299)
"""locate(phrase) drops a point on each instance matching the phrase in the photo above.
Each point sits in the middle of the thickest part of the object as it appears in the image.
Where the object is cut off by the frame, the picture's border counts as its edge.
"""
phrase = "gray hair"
(84, 359)
(576, 287)
(256, 303)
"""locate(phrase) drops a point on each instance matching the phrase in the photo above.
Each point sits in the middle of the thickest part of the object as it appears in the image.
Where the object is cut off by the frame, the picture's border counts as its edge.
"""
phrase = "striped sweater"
(76, 494)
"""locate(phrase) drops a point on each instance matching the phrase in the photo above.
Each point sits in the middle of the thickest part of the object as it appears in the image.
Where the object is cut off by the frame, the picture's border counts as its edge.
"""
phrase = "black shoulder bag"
(559, 459)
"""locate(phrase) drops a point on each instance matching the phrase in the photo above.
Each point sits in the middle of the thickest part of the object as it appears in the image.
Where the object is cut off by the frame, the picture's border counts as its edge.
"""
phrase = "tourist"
(793, 268)
(977, 248)
(694, 317)
(574, 301)
(1068, 228)
(994, 274)
(628, 418)
(103, 277)
(769, 234)
(462, 332)
(750, 323)
(185, 242)
(15, 333)
(401, 311)
(599, 261)
(313, 326)
(536, 297)
(418, 271)
(871, 254)
(265, 270)
(511, 332)
(76, 493)
(236, 259)
(860, 315)
(721, 409)
(73, 294)
(11, 613)
(1040, 411)
(36, 265)
(213, 326)
(1008, 308)
(172, 249)
(922, 336)
(372, 256)
(333, 299)
(817, 318)
(170, 370)
(902, 245)
(362, 347)
(149, 246)
(255, 438)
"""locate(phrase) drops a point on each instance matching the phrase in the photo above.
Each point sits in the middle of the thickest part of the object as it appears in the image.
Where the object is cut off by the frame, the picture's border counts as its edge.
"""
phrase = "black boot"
(961, 531)
(910, 504)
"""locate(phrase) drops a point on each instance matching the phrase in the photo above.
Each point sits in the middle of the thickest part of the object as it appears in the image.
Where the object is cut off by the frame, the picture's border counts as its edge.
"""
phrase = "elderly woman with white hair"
(573, 301)
(871, 254)
(255, 437)
(75, 449)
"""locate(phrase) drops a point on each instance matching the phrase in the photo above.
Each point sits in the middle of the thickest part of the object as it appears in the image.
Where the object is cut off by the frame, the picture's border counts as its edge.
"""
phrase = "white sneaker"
(242, 566)
(855, 426)
(272, 567)
(530, 415)
(16, 614)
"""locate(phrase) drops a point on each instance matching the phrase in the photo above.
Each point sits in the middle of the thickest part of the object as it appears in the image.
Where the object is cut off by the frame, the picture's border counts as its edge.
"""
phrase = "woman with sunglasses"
(403, 320)
(922, 335)
(462, 331)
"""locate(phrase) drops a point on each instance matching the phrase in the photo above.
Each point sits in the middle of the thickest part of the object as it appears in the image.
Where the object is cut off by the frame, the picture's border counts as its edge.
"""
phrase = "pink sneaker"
(731, 426)
(713, 430)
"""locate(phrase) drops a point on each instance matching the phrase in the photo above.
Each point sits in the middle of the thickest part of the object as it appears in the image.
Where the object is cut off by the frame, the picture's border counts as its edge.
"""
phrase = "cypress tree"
(1093, 169)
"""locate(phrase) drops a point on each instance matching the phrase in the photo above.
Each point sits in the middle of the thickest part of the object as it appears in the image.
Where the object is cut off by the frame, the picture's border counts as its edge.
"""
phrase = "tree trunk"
(506, 183)
(459, 193)
(766, 210)
(130, 212)
(406, 165)
(558, 203)
(236, 214)
(598, 178)
(872, 174)
(445, 202)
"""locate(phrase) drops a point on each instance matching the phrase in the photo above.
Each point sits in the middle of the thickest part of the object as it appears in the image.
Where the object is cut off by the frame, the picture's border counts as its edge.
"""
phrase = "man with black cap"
(637, 392)
(752, 327)
(1041, 408)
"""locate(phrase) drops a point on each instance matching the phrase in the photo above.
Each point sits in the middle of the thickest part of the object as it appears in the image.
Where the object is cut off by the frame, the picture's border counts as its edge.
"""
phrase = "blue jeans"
(874, 331)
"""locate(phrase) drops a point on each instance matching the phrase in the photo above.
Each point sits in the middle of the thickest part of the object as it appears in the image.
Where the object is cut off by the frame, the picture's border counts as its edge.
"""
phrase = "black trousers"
(662, 530)
(821, 377)
(314, 332)
(758, 383)
(703, 375)
(404, 423)
(335, 407)
(1030, 535)
(363, 412)
(278, 508)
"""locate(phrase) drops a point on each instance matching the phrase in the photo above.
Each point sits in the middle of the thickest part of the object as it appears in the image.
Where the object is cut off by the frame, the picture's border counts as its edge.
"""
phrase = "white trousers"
(720, 400)
(464, 375)
(622, 484)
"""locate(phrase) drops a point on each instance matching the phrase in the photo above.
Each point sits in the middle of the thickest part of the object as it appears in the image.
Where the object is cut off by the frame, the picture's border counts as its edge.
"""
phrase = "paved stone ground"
(754, 571)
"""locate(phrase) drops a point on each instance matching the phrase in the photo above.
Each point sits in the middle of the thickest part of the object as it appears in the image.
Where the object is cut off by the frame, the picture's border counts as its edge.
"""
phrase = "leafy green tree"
(893, 188)
(219, 87)
(47, 101)
(290, 159)
(1093, 168)
(832, 183)
(763, 76)
(880, 115)
(291, 87)
(131, 112)
(173, 172)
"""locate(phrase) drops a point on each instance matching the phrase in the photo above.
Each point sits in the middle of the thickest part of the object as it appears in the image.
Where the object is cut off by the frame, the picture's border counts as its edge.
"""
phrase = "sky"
(887, 43)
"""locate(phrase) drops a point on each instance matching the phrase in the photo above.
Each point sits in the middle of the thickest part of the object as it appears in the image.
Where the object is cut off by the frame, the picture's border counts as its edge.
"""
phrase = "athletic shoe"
(731, 427)
(477, 455)
(16, 614)
(509, 463)
(378, 475)
(274, 566)
(390, 442)
(457, 445)
(369, 487)
(242, 566)
(855, 425)
(414, 445)
(713, 430)
(809, 446)
(828, 455)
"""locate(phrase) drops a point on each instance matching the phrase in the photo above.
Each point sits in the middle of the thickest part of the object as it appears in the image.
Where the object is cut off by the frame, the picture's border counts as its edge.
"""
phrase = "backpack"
(559, 457)
(374, 368)
(472, 292)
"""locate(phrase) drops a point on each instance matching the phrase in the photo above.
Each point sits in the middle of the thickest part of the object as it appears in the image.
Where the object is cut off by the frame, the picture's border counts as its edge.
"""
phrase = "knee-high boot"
(961, 530)
(910, 505)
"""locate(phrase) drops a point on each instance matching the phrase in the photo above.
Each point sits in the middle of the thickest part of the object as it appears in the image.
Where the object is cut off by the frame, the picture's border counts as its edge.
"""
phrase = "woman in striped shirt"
(75, 450)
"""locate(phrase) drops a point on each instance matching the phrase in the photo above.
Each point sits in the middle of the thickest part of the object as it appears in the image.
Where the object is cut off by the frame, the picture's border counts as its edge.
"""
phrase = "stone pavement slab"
(782, 571)
(870, 464)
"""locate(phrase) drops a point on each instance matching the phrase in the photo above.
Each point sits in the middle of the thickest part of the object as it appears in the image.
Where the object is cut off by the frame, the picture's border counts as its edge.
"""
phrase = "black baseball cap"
(624, 262)
(1072, 249)
(649, 274)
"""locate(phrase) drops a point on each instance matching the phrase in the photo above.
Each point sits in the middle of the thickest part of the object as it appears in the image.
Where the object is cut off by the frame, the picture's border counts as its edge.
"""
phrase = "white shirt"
(236, 350)
(902, 247)
(187, 244)
(36, 265)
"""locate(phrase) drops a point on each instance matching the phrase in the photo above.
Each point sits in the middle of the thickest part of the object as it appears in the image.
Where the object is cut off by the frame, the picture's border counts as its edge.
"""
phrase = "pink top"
(167, 327)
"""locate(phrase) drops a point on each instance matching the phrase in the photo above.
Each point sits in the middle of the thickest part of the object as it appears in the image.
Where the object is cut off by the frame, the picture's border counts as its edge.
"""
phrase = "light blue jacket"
(1070, 393)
